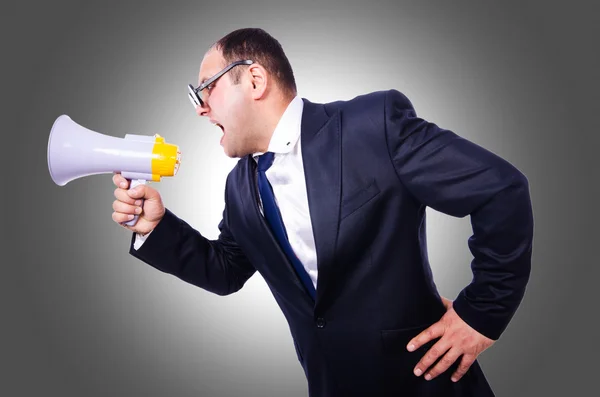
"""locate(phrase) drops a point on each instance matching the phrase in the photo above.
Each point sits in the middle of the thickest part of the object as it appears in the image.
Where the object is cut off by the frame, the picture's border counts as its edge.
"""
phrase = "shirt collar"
(288, 129)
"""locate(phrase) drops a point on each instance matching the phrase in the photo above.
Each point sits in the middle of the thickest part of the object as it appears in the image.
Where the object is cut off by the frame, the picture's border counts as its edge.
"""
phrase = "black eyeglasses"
(195, 94)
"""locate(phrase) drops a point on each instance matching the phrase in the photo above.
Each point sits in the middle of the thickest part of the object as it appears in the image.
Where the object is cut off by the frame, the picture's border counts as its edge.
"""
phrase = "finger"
(120, 217)
(124, 208)
(138, 192)
(144, 192)
(120, 181)
(463, 367)
(444, 363)
(435, 352)
(434, 331)
(122, 195)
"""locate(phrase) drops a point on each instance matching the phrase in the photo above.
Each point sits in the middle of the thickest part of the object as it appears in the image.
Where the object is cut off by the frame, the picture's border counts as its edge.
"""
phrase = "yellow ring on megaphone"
(164, 158)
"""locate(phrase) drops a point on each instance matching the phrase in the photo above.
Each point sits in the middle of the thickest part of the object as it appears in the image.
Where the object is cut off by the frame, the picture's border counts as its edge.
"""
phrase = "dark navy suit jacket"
(372, 166)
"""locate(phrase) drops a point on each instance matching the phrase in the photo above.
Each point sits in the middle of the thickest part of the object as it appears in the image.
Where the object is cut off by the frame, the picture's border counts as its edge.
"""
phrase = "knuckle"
(463, 367)
(447, 361)
(425, 362)
(433, 352)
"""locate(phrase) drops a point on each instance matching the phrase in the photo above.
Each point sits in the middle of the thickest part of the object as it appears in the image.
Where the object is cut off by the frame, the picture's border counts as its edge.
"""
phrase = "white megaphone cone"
(75, 152)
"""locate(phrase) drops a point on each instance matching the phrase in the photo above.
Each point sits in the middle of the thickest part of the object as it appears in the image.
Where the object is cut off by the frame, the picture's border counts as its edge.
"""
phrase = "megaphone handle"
(133, 184)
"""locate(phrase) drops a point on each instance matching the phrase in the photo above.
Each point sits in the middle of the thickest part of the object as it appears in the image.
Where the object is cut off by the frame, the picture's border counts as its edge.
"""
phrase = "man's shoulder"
(375, 98)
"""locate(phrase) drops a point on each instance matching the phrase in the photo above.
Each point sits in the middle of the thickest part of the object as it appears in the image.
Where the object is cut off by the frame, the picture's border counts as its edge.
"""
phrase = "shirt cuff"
(139, 240)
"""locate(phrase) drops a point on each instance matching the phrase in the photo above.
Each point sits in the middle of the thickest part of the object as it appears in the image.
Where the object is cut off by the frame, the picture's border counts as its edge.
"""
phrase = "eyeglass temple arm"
(221, 73)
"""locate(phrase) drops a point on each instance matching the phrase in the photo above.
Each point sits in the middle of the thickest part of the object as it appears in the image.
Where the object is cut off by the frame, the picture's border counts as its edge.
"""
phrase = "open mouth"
(223, 130)
(214, 122)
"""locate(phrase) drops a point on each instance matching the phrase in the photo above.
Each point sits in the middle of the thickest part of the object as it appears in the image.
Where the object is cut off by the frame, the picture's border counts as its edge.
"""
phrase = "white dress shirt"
(286, 177)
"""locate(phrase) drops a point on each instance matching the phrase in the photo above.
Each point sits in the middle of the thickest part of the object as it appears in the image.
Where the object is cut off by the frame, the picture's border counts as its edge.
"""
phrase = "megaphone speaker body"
(75, 151)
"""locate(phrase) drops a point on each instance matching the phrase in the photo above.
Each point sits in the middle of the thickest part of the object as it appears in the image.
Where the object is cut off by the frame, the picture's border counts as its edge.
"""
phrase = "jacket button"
(321, 322)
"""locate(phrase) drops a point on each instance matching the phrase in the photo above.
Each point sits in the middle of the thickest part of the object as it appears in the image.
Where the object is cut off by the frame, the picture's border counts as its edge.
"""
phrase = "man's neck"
(274, 114)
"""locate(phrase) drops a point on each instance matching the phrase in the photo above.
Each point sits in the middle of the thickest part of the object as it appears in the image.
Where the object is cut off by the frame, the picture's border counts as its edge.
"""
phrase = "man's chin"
(230, 153)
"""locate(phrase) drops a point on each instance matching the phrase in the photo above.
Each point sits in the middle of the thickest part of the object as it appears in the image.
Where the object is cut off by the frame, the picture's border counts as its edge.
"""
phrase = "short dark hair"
(262, 48)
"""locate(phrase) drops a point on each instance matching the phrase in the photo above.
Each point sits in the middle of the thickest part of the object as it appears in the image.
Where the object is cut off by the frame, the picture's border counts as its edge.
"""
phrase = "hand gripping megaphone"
(75, 152)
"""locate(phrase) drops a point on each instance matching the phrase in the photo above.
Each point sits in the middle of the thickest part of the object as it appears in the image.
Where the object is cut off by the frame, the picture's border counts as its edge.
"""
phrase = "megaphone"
(75, 151)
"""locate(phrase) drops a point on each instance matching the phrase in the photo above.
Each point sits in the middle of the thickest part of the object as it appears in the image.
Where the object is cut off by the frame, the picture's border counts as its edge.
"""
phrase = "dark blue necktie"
(274, 220)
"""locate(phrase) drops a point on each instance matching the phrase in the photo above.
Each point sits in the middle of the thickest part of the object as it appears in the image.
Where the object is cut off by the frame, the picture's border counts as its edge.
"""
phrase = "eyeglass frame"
(193, 92)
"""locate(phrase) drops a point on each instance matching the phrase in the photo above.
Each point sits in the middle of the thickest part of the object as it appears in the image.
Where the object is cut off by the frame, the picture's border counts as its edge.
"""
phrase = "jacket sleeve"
(174, 247)
(457, 177)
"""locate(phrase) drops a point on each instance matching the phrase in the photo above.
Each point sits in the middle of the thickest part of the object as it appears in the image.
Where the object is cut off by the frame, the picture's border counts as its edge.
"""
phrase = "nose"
(202, 110)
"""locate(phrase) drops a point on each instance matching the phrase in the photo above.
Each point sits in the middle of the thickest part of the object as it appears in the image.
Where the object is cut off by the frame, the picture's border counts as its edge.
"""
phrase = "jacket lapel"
(262, 231)
(321, 157)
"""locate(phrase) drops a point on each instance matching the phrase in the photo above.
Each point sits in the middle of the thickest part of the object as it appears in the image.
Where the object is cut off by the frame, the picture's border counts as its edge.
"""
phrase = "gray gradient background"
(81, 317)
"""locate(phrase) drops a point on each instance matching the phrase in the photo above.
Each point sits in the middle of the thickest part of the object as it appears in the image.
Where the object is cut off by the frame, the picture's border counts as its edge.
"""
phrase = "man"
(327, 203)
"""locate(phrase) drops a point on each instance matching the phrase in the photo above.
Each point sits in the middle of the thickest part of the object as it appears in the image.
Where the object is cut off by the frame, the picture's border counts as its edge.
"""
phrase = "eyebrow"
(205, 79)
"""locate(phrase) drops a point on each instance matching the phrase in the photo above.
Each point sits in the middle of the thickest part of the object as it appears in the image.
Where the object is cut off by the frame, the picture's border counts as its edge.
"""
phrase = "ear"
(259, 80)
